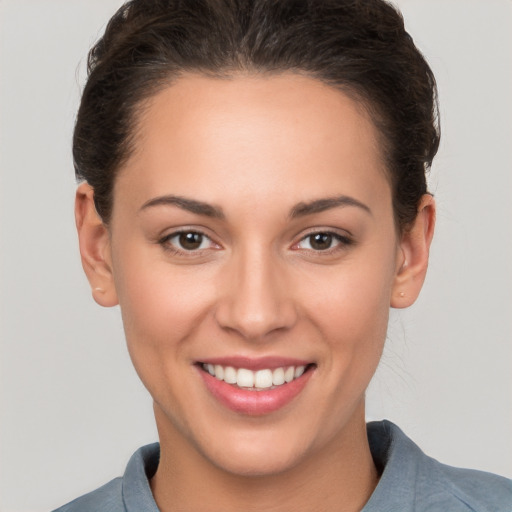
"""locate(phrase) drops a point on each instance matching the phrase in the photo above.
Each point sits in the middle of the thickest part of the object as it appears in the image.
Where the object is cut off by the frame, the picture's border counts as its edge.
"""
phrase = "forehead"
(253, 134)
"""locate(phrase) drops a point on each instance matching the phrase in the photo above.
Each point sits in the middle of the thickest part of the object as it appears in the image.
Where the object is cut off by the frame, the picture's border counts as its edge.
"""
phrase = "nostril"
(254, 322)
(254, 298)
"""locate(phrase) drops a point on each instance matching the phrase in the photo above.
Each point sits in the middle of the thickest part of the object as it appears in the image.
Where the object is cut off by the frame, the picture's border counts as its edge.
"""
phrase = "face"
(254, 255)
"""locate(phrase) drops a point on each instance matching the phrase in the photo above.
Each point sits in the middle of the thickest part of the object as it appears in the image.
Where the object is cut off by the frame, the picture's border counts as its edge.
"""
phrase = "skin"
(256, 148)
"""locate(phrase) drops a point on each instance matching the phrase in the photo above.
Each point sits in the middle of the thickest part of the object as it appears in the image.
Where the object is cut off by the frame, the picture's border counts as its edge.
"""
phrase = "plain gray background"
(72, 409)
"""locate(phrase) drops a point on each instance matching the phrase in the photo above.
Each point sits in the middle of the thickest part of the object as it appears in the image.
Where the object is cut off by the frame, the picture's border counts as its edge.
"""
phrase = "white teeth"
(298, 371)
(278, 377)
(263, 379)
(219, 372)
(230, 375)
(289, 374)
(245, 378)
(258, 380)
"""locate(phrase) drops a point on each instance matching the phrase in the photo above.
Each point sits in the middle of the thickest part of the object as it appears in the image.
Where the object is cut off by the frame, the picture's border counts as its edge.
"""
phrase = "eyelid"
(163, 241)
(343, 237)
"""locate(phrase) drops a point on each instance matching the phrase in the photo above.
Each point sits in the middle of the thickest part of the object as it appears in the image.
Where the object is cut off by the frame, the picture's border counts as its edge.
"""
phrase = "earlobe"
(94, 241)
(413, 255)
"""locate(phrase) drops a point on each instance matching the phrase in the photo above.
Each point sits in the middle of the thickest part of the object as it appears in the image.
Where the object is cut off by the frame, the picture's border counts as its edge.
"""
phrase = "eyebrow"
(321, 205)
(299, 210)
(191, 205)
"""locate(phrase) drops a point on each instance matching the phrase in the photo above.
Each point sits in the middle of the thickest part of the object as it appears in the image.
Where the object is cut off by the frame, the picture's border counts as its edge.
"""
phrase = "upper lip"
(255, 363)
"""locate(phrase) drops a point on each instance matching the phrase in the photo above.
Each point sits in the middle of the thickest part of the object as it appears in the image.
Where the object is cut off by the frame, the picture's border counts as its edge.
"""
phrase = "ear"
(94, 241)
(413, 255)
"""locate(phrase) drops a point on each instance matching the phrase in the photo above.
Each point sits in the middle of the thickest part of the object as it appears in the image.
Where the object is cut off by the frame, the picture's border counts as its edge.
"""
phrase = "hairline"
(362, 103)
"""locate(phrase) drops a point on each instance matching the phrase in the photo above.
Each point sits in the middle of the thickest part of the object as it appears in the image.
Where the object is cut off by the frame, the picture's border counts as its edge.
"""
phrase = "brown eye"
(190, 241)
(187, 241)
(320, 241)
(324, 241)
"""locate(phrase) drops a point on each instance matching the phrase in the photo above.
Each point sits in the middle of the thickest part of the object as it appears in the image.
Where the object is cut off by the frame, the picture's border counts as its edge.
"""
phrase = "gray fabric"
(413, 481)
(410, 481)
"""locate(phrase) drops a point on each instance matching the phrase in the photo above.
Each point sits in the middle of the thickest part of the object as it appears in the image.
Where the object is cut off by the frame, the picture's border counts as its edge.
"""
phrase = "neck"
(340, 477)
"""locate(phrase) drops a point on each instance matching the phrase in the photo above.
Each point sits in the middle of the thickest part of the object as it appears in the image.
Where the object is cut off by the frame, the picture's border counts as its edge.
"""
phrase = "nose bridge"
(256, 301)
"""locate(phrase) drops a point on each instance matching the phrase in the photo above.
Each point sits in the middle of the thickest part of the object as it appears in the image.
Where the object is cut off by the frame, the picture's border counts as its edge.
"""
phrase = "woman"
(254, 198)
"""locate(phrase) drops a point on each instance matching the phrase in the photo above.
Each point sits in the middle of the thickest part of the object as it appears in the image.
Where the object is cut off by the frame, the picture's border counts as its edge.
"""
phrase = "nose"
(255, 298)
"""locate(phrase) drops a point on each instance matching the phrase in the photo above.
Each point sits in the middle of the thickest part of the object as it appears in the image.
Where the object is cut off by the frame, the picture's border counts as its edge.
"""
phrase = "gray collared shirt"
(410, 481)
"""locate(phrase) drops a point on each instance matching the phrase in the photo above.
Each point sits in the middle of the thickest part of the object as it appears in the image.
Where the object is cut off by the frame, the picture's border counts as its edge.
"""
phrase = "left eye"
(321, 241)
(189, 241)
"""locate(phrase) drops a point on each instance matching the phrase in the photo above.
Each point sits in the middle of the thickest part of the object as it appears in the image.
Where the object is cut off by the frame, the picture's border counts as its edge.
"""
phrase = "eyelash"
(167, 245)
(341, 242)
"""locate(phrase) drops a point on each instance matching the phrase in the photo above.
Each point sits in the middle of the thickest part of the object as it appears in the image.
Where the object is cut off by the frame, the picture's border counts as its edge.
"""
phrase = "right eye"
(187, 241)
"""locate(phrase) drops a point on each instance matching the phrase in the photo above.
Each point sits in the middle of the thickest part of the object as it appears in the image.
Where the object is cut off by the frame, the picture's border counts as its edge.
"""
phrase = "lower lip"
(254, 403)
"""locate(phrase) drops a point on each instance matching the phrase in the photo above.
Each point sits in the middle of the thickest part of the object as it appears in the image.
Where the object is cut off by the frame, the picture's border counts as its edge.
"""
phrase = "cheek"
(161, 308)
(352, 303)
(351, 312)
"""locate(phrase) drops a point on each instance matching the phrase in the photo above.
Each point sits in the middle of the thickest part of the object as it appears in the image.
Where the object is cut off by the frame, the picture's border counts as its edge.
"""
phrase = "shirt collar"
(142, 466)
(394, 454)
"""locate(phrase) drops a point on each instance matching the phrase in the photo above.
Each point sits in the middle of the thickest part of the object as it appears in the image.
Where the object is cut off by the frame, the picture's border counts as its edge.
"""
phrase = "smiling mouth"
(260, 380)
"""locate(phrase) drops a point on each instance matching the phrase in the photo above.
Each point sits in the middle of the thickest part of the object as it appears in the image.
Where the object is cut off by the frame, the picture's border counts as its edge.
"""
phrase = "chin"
(260, 461)
(263, 447)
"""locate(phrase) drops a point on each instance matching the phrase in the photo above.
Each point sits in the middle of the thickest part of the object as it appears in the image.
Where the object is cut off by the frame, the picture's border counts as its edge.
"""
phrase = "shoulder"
(472, 490)
(413, 481)
(107, 498)
(130, 492)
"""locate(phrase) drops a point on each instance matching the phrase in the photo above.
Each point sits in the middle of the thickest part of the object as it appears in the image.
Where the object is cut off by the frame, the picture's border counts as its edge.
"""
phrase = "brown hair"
(359, 46)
